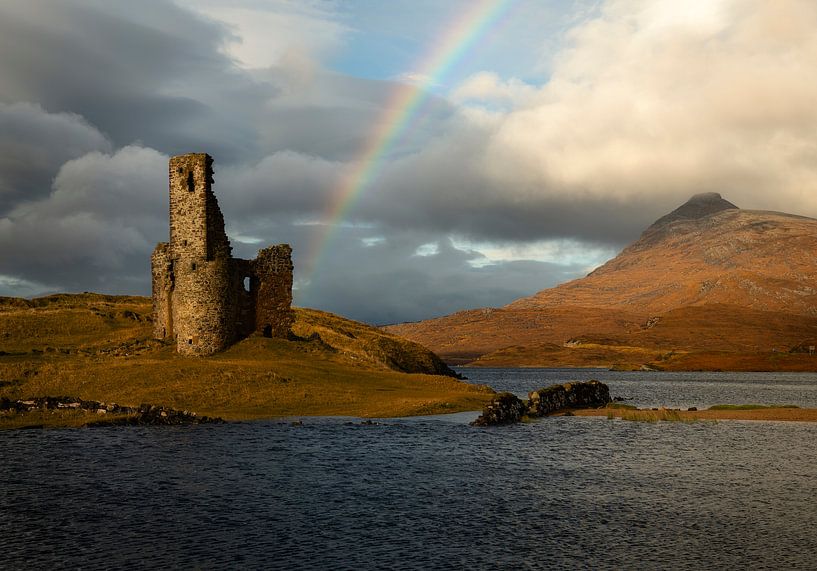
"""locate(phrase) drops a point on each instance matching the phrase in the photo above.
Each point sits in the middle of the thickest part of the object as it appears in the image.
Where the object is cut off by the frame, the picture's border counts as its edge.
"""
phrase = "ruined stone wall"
(162, 278)
(244, 282)
(199, 292)
(272, 270)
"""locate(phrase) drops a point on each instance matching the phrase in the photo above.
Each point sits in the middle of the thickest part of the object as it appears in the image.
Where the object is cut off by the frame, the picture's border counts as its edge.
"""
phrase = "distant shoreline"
(787, 414)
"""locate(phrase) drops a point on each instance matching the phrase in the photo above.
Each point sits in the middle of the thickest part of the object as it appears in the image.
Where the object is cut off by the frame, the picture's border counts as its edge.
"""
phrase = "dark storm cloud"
(400, 285)
(145, 71)
(33, 146)
(96, 229)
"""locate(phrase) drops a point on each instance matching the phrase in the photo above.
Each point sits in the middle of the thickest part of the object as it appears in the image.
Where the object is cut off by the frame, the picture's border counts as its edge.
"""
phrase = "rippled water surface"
(428, 493)
(670, 389)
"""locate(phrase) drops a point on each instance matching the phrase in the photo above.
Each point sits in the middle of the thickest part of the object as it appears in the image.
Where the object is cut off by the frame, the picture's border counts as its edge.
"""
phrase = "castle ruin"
(203, 297)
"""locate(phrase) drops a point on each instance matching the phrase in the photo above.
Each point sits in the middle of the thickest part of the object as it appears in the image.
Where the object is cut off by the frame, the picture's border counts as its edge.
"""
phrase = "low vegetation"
(100, 348)
(660, 415)
(750, 406)
(714, 413)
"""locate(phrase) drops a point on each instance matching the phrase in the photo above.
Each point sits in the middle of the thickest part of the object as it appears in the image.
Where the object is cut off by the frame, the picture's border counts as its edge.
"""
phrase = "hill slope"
(99, 347)
(707, 279)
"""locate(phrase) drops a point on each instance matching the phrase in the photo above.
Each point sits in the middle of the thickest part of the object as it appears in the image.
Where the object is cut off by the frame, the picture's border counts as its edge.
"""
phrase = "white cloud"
(664, 99)
(370, 241)
(13, 286)
(429, 249)
(266, 33)
(557, 252)
(417, 79)
(488, 87)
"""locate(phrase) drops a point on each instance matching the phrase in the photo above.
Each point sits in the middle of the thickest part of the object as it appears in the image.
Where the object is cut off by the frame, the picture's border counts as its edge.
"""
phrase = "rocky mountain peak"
(699, 206)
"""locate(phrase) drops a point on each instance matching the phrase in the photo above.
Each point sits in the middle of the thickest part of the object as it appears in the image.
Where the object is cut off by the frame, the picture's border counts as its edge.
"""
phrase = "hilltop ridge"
(706, 277)
(699, 206)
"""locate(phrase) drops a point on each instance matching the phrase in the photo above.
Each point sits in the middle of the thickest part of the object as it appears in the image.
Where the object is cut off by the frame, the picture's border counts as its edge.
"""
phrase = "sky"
(421, 157)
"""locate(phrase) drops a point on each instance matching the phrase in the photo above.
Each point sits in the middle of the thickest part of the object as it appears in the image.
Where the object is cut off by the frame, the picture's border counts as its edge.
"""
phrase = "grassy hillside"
(710, 337)
(709, 286)
(99, 348)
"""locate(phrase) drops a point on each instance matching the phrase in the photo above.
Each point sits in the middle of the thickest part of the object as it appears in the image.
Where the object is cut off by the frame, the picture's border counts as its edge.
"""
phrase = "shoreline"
(615, 370)
(65, 412)
(38, 420)
(770, 413)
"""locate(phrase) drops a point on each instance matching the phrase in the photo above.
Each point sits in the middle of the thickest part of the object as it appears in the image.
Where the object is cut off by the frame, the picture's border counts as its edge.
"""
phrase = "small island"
(101, 348)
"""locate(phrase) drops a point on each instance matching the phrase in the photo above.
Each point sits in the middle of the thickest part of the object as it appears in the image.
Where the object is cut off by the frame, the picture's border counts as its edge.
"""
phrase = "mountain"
(708, 285)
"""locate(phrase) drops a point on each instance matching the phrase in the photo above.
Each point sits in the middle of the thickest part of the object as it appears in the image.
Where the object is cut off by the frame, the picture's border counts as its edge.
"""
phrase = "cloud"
(280, 186)
(639, 105)
(649, 103)
(148, 71)
(657, 100)
(400, 285)
(489, 88)
(34, 144)
(97, 227)
(265, 33)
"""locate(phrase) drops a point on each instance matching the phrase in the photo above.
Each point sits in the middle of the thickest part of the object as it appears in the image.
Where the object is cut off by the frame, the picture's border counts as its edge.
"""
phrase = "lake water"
(429, 493)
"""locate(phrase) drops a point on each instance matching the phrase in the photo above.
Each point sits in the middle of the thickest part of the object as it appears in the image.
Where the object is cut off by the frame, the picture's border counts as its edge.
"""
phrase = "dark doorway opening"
(267, 332)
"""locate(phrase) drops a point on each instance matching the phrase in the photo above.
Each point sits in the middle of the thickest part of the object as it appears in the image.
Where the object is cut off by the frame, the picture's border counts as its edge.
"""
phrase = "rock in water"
(569, 395)
(507, 408)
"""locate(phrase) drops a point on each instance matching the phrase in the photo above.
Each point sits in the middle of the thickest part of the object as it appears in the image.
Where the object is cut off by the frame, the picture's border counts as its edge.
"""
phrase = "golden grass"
(710, 337)
(749, 406)
(661, 415)
(770, 413)
(69, 350)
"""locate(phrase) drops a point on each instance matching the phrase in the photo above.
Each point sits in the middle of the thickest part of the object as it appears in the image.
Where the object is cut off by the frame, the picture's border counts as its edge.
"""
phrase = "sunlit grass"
(93, 349)
(644, 415)
(621, 406)
(750, 406)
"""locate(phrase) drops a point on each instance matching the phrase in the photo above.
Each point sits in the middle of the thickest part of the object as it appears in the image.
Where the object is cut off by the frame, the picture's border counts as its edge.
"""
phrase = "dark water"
(428, 493)
(673, 390)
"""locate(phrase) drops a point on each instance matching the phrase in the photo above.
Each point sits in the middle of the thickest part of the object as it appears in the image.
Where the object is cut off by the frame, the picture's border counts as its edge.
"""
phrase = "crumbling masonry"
(203, 297)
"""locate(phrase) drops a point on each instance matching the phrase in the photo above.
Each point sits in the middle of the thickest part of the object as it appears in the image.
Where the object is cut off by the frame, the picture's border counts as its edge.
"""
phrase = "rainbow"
(402, 108)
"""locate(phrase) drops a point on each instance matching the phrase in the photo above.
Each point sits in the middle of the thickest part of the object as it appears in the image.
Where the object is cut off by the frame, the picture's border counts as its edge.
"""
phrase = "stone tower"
(203, 297)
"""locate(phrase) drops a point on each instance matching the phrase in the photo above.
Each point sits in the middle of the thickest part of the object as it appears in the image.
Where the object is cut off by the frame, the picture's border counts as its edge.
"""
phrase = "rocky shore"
(106, 413)
(507, 408)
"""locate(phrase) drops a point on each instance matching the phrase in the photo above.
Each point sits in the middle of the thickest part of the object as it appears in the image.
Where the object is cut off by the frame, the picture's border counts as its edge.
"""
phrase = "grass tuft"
(621, 406)
(661, 415)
